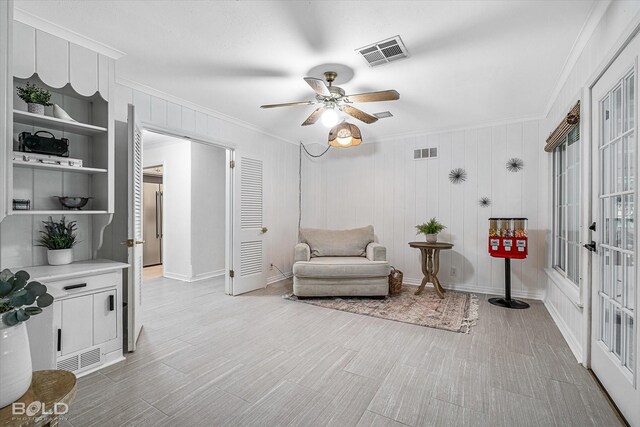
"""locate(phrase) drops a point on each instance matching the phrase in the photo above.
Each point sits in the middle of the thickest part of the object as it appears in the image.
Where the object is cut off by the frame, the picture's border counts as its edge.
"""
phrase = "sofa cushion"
(340, 267)
(337, 242)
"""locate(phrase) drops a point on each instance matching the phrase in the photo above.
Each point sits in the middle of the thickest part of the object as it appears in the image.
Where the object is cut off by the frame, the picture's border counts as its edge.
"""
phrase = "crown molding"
(66, 34)
(132, 84)
(480, 125)
(595, 16)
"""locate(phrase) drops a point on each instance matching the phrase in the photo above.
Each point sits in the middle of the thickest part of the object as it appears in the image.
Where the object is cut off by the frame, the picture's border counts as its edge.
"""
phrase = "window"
(566, 206)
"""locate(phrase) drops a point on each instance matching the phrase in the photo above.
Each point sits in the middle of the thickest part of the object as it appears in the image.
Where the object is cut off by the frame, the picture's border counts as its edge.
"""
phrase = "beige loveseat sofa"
(340, 263)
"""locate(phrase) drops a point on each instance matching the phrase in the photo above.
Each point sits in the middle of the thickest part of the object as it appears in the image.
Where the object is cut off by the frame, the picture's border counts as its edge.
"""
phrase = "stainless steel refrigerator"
(152, 252)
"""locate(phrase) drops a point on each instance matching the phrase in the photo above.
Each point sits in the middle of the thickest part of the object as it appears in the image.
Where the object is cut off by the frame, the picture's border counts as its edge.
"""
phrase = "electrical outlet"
(454, 272)
(271, 266)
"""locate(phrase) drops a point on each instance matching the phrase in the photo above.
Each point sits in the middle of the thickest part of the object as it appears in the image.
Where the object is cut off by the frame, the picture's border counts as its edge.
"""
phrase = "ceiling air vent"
(425, 153)
(384, 51)
(383, 114)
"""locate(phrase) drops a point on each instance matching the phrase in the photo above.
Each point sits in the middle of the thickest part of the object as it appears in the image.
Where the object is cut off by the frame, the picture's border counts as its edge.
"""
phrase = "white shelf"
(74, 169)
(58, 212)
(37, 120)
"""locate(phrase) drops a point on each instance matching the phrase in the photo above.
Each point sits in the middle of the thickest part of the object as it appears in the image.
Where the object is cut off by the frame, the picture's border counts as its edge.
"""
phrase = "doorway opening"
(184, 209)
(153, 196)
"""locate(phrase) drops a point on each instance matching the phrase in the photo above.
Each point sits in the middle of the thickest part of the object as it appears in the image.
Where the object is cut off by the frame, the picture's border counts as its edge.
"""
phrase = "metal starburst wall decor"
(458, 175)
(484, 202)
(515, 164)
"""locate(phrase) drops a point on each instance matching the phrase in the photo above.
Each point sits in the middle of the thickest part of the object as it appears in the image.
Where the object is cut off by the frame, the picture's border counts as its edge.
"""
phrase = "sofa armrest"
(302, 252)
(376, 252)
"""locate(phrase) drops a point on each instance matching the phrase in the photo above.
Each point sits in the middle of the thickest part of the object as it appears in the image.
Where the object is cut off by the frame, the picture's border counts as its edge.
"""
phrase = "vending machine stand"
(507, 301)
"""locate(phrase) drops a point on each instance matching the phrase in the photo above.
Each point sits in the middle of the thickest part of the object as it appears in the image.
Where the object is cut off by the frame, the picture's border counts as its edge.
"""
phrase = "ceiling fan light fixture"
(345, 135)
(330, 118)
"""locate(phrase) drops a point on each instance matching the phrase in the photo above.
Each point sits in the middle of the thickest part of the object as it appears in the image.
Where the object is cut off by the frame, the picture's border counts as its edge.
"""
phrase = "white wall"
(381, 184)
(208, 210)
(175, 157)
(563, 300)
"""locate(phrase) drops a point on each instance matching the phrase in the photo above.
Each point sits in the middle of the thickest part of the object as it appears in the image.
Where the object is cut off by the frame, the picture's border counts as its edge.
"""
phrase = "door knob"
(130, 242)
(592, 227)
(264, 229)
(591, 246)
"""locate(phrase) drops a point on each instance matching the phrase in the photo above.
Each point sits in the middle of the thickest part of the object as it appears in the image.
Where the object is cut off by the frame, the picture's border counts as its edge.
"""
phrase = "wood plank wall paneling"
(381, 184)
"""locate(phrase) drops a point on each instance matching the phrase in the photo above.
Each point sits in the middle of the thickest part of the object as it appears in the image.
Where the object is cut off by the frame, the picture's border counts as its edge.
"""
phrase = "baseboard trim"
(571, 340)
(205, 276)
(278, 277)
(480, 289)
(174, 276)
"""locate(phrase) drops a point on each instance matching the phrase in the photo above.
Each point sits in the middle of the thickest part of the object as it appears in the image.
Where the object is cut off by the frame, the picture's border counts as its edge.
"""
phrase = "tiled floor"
(212, 360)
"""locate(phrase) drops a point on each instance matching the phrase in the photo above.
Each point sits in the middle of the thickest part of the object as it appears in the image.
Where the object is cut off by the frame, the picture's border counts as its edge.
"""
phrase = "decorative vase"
(15, 362)
(431, 238)
(35, 108)
(59, 256)
(59, 113)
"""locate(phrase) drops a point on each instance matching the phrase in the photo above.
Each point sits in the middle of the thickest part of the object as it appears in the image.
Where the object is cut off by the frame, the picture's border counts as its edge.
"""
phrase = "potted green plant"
(17, 299)
(430, 230)
(35, 97)
(59, 237)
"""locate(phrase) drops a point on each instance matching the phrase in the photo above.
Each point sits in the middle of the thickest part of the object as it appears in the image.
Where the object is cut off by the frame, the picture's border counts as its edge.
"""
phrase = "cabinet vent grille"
(90, 357)
(425, 153)
(69, 364)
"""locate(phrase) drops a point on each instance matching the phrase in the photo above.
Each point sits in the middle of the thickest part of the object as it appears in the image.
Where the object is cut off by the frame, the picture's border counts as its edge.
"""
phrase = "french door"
(614, 329)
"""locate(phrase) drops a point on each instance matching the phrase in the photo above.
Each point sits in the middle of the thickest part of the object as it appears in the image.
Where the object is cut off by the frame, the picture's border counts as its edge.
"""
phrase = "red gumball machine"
(508, 239)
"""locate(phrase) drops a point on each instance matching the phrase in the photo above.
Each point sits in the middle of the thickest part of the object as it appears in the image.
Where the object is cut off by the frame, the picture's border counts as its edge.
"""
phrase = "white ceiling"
(471, 63)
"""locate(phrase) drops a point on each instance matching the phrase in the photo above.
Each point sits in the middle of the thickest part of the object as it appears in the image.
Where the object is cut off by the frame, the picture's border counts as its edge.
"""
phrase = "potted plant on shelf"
(430, 230)
(17, 299)
(59, 238)
(35, 97)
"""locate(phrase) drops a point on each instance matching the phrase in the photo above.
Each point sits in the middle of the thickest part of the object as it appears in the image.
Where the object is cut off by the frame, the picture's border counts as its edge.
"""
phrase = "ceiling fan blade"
(318, 86)
(359, 114)
(313, 117)
(288, 104)
(385, 95)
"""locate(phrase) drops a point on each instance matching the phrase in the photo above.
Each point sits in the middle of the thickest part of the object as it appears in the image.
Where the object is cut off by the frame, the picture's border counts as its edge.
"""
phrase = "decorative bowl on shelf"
(75, 203)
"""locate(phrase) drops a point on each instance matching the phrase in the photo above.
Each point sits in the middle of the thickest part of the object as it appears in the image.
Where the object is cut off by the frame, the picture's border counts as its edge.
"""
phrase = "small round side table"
(52, 390)
(430, 255)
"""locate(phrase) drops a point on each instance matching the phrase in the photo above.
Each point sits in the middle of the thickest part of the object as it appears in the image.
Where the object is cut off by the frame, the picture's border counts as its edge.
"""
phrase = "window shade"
(569, 123)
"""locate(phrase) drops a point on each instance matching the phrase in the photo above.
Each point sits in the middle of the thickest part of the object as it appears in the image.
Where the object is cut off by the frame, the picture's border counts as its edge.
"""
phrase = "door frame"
(230, 149)
(632, 30)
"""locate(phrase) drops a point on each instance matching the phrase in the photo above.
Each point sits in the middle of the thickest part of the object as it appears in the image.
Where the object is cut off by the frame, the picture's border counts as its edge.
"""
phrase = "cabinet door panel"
(105, 321)
(77, 324)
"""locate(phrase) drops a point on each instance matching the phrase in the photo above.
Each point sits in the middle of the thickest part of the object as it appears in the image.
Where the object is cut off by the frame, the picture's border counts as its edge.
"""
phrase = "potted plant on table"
(35, 97)
(59, 237)
(17, 299)
(430, 230)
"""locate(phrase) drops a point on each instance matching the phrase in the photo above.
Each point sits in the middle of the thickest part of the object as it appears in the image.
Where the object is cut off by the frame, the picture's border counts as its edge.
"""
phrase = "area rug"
(457, 312)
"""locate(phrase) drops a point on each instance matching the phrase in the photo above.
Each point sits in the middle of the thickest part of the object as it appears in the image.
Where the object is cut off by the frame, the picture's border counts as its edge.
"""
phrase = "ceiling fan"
(333, 97)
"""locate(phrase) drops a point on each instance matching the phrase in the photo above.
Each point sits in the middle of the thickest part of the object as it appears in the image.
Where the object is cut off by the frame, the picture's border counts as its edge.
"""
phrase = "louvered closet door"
(248, 248)
(135, 239)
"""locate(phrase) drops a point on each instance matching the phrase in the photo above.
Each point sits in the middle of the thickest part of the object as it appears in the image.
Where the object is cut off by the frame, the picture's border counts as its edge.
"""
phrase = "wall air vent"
(383, 114)
(384, 51)
(425, 153)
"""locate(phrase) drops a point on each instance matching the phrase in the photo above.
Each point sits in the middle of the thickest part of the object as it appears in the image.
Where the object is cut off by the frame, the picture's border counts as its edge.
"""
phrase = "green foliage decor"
(431, 227)
(58, 234)
(32, 94)
(17, 295)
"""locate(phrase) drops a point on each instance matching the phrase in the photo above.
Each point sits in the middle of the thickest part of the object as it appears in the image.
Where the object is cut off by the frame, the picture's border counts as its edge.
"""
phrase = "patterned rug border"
(470, 317)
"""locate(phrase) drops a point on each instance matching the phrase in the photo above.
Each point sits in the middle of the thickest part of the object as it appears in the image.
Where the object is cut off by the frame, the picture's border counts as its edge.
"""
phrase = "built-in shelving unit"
(46, 166)
(57, 212)
(89, 142)
(53, 123)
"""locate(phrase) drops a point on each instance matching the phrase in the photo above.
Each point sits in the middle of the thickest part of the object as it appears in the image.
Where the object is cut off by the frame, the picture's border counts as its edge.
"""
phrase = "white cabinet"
(105, 325)
(83, 331)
